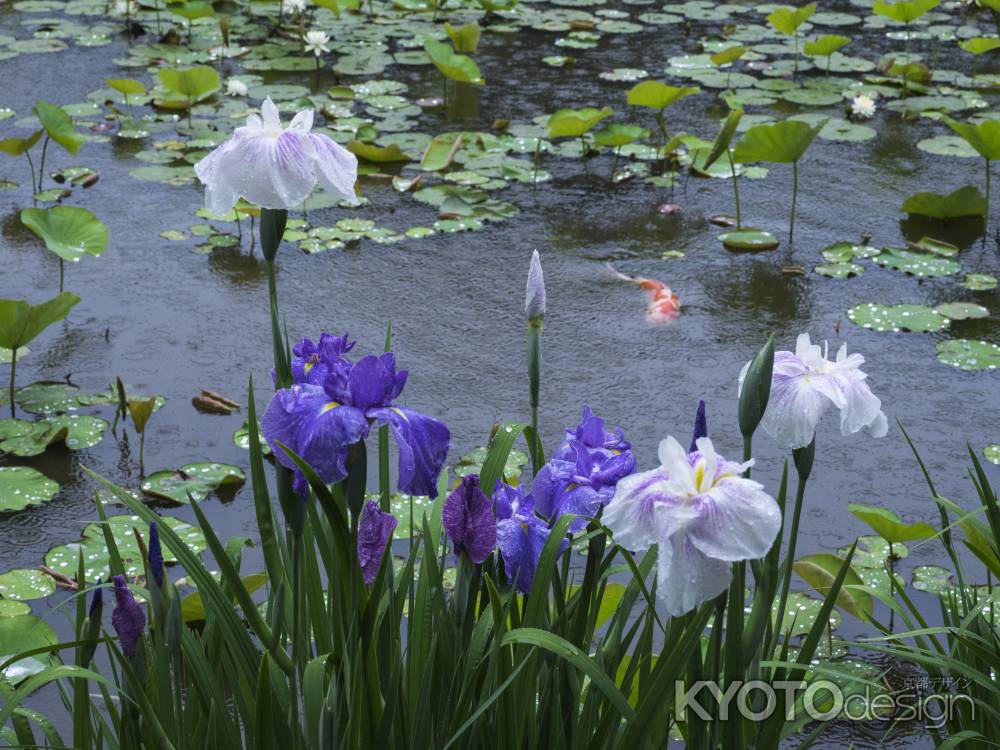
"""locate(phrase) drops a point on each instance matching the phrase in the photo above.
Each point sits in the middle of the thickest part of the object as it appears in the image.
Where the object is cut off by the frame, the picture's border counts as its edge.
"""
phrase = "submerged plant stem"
(736, 191)
(41, 163)
(13, 375)
(61, 274)
(795, 193)
(31, 165)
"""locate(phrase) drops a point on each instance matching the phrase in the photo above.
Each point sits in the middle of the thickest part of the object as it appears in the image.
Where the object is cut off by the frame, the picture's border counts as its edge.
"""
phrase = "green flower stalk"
(141, 410)
(534, 310)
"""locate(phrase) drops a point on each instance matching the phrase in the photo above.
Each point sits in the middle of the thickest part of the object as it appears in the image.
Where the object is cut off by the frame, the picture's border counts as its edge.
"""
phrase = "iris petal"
(423, 444)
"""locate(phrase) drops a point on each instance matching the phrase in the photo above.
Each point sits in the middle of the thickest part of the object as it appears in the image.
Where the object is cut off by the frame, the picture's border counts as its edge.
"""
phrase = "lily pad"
(241, 438)
(20, 634)
(801, 611)
(967, 354)
(979, 282)
(932, 578)
(25, 584)
(916, 264)
(992, 453)
(14, 608)
(748, 239)
(21, 486)
(839, 270)
(472, 463)
(908, 318)
(962, 310)
(198, 479)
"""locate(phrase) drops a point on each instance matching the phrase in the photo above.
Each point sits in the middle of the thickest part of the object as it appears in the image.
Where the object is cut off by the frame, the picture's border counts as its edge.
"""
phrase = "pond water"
(172, 319)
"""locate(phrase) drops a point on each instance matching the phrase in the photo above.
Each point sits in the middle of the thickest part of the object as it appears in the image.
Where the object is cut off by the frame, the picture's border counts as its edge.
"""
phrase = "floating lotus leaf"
(844, 252)
(65, 558)
(198, 479)
(962, 310)
(839, 270)
(801, 611)
(916, 264)
(21, 486)
(908, 318)
(947, 145)
(25, 584)
(932, 578)
(13, 608)
(748, 239)
(68, 231)
(20, 634)
(873, 552)
(241, 438)
(377, 154)
(624, 74)
(979, 282)
(992, 453)
(938, 247)
(967, 354)
(472, 463)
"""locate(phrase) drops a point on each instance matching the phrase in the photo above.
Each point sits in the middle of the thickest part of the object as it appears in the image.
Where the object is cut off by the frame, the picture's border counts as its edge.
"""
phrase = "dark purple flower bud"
(155, 554)
(375, 529)
(97, 601)
(128, 618)
(700, 427)
(468, 520)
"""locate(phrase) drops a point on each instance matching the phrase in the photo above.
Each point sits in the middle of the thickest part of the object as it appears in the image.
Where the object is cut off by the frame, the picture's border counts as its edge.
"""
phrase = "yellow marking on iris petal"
(329, 407)
(308, 366)
(699, 474)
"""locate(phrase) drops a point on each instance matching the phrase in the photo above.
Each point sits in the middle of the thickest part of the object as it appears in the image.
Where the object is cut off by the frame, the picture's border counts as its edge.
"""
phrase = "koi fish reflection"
(663, 307)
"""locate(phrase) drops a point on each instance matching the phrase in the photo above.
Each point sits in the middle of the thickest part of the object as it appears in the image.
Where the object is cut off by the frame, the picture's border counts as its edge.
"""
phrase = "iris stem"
(142, 453)
(31, 164)
(534, 382)
(786, 568)
(795, 192)
(736, 190)
(41, 164)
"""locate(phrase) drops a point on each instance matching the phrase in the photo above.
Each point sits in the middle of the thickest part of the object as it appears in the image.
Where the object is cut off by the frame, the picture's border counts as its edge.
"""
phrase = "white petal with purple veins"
(686, 577)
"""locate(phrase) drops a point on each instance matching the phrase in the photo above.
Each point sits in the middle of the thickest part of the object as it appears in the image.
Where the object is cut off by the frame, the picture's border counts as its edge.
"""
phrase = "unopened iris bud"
(534, 301)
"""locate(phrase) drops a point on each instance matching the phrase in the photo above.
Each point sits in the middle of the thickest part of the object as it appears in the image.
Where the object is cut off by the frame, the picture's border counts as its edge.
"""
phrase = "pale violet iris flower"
(806, 384)
(703, 515)
(275, 167)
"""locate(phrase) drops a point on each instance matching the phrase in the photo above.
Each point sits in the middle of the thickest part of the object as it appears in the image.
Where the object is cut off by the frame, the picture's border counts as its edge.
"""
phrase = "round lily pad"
(839, 270)
(241, 438)
(748, 240)
(932, 578)
(65, 557)
(962, 310)
(77, 431)
(21, 486)
(947, 145)
(801, 611)
(24, 584)
(992, 453)
(979, 282)
(967, 354)
(915, 318)
(917, 264)
(14, 608)
(198, 479)
(20, 634)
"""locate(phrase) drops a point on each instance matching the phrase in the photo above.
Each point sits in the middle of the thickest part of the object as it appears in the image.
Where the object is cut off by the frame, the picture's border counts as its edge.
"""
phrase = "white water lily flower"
(805, 384)
(863, 107)
(316, 42)
(275, 167)
(703, 515)
(235, 87)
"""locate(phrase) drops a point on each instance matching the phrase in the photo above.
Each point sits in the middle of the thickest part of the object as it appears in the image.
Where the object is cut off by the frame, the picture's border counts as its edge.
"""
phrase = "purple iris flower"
(155, 554)
(700, 427)
(468, 520)
(583, 473)
(128, 618)
(521, 535)
(312, 362)
(320, 422)
(375, 529)
(593, 434)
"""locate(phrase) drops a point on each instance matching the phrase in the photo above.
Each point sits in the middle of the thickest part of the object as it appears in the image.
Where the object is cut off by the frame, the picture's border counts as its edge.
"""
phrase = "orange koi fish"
(663, 307)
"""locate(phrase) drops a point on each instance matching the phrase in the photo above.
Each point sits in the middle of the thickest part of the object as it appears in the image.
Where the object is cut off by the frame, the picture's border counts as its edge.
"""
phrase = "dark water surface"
(172, 321)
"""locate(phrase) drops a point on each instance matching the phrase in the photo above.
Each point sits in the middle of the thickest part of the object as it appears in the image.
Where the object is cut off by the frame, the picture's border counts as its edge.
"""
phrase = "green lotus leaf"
(198, 479)
(241, 438)
(992, 453)
(64, 558)
(821, 570)
(967, 354)
(787, 19)
(21, 322)
(725, 137)
(906, 11)
(440, 151)
(889, 526)
(193, 84)
(781, 142)
(980, 45)
(472, 463)
(618, 134)
(657, 95)
(377, 154)
(932, 578)
(127, 85)
(965, 201)
(728, 55)
(14, 608)
(938, 247)
(465, 38)
(573, 123)
(979, 282)
(21, 486)
(916, 264)
(839, 270)
(68, 231)
(983, 137)
(25, 584)
(801, 611)
(907, 318)
(58, 126)
(962, 310)
(452, 65)
(18, 146)
(748, 239)
(20, 634)
(191, 10)
(825, 45)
